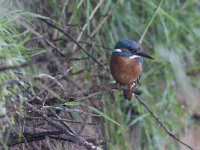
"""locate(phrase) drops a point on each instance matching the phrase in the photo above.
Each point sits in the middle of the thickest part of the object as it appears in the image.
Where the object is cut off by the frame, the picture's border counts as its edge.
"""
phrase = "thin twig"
(31, 134)
(23, 65)
(96, 89)
(87, 43)
(45, 42)
(74, 138)
(74, 121)
(50, 78)
(161, 124)
(4, 68)
(77, 43)
(62, 120)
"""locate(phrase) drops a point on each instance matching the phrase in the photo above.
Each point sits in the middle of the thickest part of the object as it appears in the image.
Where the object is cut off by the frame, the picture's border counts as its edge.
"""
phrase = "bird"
(126, 64)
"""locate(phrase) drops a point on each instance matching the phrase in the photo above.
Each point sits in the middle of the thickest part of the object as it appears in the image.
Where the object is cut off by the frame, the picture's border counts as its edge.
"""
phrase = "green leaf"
(137, 119)
(105, 116)
(73, 103)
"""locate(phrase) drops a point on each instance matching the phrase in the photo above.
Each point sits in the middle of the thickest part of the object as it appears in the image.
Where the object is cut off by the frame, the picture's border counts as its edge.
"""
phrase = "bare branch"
(30, 134)
(161, 124)
(96, 89)
(73, 40)
(75, 138)
(85, 93)
(31, 62)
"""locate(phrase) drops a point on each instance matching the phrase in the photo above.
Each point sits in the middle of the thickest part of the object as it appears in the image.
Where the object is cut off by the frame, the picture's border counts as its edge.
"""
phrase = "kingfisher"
(126, 64)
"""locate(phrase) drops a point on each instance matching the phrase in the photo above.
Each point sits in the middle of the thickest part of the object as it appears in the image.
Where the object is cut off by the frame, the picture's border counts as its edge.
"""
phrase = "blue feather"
(139, 60)
(127, 54)
(127, 44)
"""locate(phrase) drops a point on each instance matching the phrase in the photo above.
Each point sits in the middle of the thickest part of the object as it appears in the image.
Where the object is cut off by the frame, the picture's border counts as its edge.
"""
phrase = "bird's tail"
(128, 94)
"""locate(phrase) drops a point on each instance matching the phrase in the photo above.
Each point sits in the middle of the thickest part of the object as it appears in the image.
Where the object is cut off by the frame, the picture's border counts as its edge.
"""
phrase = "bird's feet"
(117, 85)
(131, 86)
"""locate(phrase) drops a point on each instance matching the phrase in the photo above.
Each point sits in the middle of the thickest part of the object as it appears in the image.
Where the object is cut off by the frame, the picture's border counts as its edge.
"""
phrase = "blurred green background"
(168, 30)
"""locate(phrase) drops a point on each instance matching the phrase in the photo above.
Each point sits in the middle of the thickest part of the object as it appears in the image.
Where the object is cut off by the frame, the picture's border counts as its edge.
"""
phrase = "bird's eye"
(137, 51)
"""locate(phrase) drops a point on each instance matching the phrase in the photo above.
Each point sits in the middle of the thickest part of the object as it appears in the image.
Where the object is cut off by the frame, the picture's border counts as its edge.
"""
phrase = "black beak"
(141, 53)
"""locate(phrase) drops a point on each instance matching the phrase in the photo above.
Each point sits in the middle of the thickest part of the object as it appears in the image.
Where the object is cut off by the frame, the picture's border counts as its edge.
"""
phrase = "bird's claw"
(117, 85)
(131, 86)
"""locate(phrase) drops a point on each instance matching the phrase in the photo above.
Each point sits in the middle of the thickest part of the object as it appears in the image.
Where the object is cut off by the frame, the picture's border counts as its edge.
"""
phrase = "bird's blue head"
(127, 44)
(132, 46)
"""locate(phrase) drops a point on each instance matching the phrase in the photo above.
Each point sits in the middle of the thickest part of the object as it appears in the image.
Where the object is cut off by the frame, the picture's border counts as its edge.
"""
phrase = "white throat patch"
(117, 50)
(130, 57)
(134, 56)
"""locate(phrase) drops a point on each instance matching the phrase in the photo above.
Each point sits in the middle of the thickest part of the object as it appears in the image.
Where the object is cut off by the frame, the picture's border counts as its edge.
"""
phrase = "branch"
(87, 92)
(3, 68)
(63, 120)
(42, 40)
(31, 62)
(74, 138)
(111, 86)
(161, 124)
(96, 89)
(76, 42)
(29, 134)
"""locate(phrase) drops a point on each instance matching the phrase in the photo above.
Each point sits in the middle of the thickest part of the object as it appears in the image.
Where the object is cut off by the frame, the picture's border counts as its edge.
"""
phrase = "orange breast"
(125, 70)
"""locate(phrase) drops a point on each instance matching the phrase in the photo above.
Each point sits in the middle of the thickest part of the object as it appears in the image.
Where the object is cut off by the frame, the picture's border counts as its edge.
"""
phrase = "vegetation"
(51, 47)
